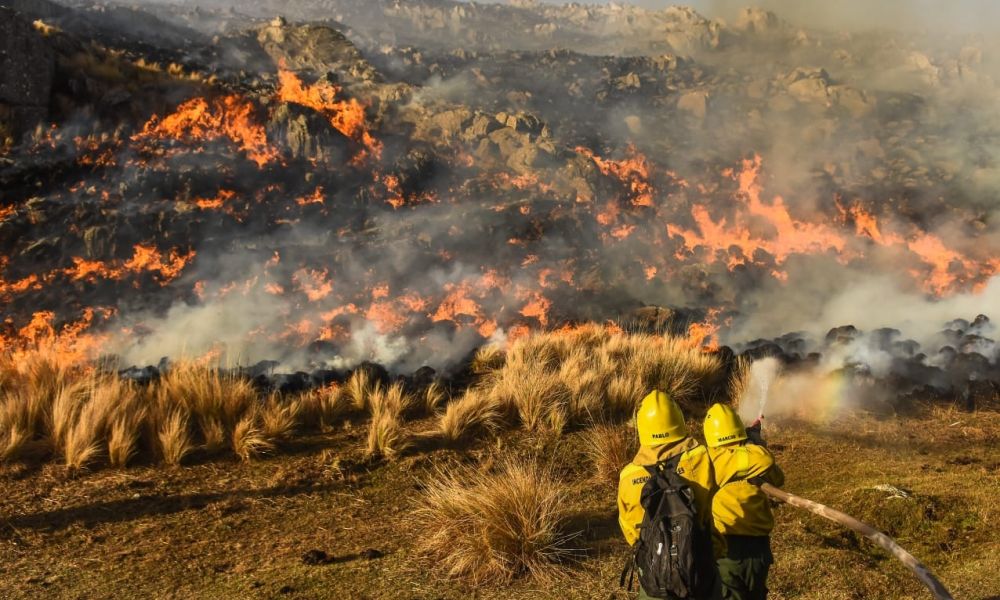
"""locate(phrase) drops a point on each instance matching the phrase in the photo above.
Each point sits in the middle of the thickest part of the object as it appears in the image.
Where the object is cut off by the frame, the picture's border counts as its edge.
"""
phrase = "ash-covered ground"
(402, 182)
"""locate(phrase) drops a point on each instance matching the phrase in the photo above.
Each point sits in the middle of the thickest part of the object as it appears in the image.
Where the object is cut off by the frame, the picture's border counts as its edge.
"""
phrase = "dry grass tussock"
(549, 381)
(173, 436)
(322, 408)
(85, 417)
(386, 434)
(248, 438)
(495, 527)
(435, 395)
(545, 382)
(358, 389)
(215, 400)
(29, 385)
(473, 412)
(609, 446)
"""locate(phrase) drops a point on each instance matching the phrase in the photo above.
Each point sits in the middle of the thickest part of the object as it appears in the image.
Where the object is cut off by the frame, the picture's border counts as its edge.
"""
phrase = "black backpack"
(673, 556)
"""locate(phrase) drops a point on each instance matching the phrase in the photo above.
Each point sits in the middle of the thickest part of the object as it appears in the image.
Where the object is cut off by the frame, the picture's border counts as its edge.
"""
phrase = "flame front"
(346, 116)
(200, 120)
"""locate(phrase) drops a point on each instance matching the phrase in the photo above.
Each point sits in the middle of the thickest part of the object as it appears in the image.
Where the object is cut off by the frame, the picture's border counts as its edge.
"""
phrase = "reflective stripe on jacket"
(740, 507)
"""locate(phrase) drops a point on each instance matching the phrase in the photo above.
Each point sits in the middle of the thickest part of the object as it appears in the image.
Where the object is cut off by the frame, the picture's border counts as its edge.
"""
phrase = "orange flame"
(313, 284)
(788, 236)
(456, 303)
(949, 268)
(316, 197)
(199, 120)
(148, 258)
(633, 171)
(69, 343)
(144, 259)
(536, 306)
(217, 202)
(346, 116)
(705, 334)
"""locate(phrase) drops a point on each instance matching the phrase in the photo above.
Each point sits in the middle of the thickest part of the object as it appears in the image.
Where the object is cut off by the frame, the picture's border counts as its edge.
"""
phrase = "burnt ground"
(224, 529)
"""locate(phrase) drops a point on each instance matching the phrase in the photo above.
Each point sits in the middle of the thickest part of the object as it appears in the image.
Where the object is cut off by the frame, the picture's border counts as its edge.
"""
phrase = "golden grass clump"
(435, 395)
(568, 378)
(476, 410)
(15, 432)
(124, 436)
(211, 396)
(96, 422)
(279, 418)
(488, 358)
(386, 434)
(29, 385)
(739, 381)
(532, 395)
(358, 389)
(173, 436)
(249, 440)
(609, 447)
(495, 527)
(321, 408)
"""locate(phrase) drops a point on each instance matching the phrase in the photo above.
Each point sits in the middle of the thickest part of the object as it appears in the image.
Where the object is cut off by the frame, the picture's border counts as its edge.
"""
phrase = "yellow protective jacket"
(740, 507)
(694, 466)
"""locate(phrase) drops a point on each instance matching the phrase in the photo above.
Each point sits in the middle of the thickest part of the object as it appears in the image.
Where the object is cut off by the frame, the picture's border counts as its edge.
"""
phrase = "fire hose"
(926, 577)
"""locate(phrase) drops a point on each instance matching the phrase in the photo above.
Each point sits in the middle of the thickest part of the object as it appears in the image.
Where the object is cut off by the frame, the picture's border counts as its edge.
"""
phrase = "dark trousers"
(743, 570)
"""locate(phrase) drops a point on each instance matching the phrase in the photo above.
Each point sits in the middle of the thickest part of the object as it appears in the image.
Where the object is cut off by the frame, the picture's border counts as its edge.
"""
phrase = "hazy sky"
(953, 15)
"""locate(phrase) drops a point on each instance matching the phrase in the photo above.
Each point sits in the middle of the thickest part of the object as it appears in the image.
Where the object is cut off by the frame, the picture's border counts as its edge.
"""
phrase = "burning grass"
(495, 527)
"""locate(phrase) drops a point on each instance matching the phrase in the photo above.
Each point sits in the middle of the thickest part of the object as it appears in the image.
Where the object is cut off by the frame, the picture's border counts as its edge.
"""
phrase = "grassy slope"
(225, 529)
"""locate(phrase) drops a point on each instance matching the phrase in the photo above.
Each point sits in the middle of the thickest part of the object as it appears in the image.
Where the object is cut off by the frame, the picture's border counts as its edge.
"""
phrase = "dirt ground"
(225, 529)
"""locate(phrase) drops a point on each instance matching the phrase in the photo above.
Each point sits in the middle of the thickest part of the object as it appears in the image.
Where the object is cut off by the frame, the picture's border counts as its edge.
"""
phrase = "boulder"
(811, 89)
(695, 103)
(307, 134)
(851, 99)
(688, 32)
(448, 124)
(921, 65)
(317, 47)
(481, 126)
(759, 21)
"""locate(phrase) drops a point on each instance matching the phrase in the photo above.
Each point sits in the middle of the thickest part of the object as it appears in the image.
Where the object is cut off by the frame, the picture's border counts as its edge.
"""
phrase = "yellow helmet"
(723, 426)
(659, 420)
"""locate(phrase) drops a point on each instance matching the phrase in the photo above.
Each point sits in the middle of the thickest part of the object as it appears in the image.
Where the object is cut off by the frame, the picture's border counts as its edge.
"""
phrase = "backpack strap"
(629, 570)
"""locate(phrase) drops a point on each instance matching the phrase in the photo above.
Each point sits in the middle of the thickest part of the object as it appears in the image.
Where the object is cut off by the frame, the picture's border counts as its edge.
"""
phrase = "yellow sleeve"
(758, 461)
(630, 513)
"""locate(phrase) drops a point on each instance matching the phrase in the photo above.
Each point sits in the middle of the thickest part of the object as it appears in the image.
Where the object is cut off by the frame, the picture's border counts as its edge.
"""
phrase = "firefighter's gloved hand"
(755, 435)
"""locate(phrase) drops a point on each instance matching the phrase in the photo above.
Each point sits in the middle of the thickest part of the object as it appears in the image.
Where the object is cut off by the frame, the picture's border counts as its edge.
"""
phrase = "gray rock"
(315, 47)
(695, 103)
(307, 134)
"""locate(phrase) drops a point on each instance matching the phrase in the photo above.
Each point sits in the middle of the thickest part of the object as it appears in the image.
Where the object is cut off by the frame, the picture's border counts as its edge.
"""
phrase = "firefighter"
(741, 511)
(663, 435)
